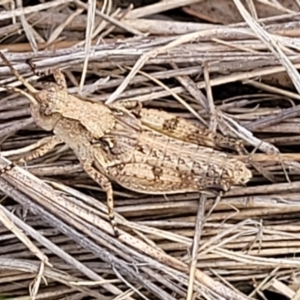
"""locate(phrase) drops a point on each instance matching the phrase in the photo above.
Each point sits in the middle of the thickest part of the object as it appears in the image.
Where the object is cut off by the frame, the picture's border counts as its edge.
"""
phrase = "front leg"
(57, 74)
(42, 146)
(60, 79)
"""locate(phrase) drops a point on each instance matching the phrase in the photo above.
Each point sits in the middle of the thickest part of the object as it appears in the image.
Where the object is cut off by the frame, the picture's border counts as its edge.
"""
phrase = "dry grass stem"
(235, 72)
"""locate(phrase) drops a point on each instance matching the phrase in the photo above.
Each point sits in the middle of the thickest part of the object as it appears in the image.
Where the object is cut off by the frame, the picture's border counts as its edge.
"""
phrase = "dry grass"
(56, 241)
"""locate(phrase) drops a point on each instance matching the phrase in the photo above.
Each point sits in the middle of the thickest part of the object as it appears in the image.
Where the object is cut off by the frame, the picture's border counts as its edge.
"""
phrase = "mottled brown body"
(155, 163)
(143, 150)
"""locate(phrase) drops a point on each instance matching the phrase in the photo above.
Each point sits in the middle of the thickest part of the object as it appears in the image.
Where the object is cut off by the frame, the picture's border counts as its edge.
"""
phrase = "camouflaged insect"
(143, 150)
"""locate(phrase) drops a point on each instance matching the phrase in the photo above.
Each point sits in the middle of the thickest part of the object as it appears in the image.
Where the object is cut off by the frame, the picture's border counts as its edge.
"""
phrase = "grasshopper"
(143, 150)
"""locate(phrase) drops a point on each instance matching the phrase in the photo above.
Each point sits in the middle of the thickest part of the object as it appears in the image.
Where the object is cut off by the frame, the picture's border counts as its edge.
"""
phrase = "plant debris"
(235, 73)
